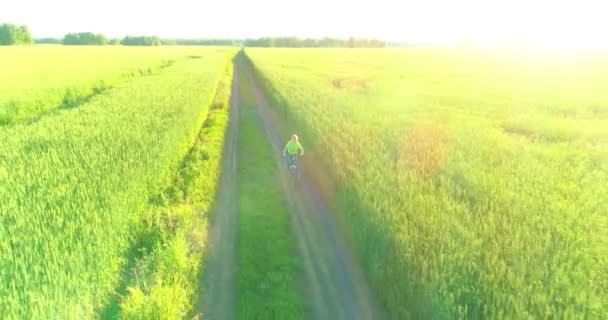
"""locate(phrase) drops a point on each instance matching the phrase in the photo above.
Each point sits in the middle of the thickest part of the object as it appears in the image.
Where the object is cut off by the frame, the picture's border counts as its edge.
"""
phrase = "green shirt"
(293, 147)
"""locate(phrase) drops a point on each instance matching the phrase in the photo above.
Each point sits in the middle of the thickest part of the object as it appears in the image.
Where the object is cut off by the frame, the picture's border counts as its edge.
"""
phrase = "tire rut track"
(218, 298)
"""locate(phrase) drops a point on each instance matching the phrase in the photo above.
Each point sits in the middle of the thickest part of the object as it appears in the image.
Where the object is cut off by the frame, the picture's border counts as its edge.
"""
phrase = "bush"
(11, 34)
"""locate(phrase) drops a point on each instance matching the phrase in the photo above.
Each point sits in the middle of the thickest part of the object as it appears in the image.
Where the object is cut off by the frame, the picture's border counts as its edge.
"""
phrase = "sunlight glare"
(539, 24)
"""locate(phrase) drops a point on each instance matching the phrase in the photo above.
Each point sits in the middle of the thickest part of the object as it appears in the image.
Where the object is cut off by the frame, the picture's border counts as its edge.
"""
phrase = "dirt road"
(217, 300)
(333, 284)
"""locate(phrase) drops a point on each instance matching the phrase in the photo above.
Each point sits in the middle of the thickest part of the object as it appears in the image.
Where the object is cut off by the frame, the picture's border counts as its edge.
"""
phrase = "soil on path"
(334, 282)
(217, 300)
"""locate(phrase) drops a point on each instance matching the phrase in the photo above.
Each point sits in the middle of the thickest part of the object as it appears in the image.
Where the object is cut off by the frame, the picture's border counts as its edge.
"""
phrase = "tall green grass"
(38, 79)
(165, 278)
(74, 184)
(473, 183)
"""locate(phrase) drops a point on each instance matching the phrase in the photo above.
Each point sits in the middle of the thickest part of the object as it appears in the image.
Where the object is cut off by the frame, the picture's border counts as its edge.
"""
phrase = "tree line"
(89, 38)
(15, 35)
(274, 42)
(200, 42)
(84, 38)
(141, 41)
(294, 42)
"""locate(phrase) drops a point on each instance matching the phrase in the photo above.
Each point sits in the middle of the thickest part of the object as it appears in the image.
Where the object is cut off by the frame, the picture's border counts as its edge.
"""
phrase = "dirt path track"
(335, 285)
(218, 293)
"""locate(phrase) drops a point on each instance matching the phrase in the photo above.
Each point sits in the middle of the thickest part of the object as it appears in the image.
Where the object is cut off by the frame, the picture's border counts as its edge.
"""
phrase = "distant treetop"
(200, 42)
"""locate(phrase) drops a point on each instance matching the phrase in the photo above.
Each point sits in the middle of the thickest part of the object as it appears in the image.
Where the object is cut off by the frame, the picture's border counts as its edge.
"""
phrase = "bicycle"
(294, 170)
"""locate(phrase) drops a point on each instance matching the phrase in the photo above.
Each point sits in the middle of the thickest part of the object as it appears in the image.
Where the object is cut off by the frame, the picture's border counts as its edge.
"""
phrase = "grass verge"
(164, 279)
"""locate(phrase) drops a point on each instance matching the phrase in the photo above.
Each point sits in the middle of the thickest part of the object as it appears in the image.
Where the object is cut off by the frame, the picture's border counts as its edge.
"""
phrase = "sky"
(580, 23)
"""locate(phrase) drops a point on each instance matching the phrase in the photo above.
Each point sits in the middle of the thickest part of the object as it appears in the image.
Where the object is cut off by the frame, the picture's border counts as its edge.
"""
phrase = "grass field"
(470, 184)
(42, 78)
(79, 184)
(164, 280)
(473, 183)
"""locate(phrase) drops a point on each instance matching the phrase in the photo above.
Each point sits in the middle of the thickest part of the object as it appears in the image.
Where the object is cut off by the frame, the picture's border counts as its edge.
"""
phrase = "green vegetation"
(84, 38)
(11, 34)
(141, 41)
(166, 279)
(89, 38)
(76, 186)
(201, 42)
(266, 265)
(294, 42)
(47, 41)
(36, 80)
(473, 183)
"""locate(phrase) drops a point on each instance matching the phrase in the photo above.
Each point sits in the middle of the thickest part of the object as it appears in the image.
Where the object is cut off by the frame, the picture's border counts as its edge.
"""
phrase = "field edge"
(163, 269)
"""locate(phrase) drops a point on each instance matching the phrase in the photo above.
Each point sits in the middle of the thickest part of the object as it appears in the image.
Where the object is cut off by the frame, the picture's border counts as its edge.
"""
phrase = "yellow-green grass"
(36, 79)
(164, 281)
(267, 265)
(75, 183)
(473, 182)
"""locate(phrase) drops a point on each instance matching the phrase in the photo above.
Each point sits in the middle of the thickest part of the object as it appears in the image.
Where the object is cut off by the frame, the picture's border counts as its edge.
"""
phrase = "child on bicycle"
(292, 149)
